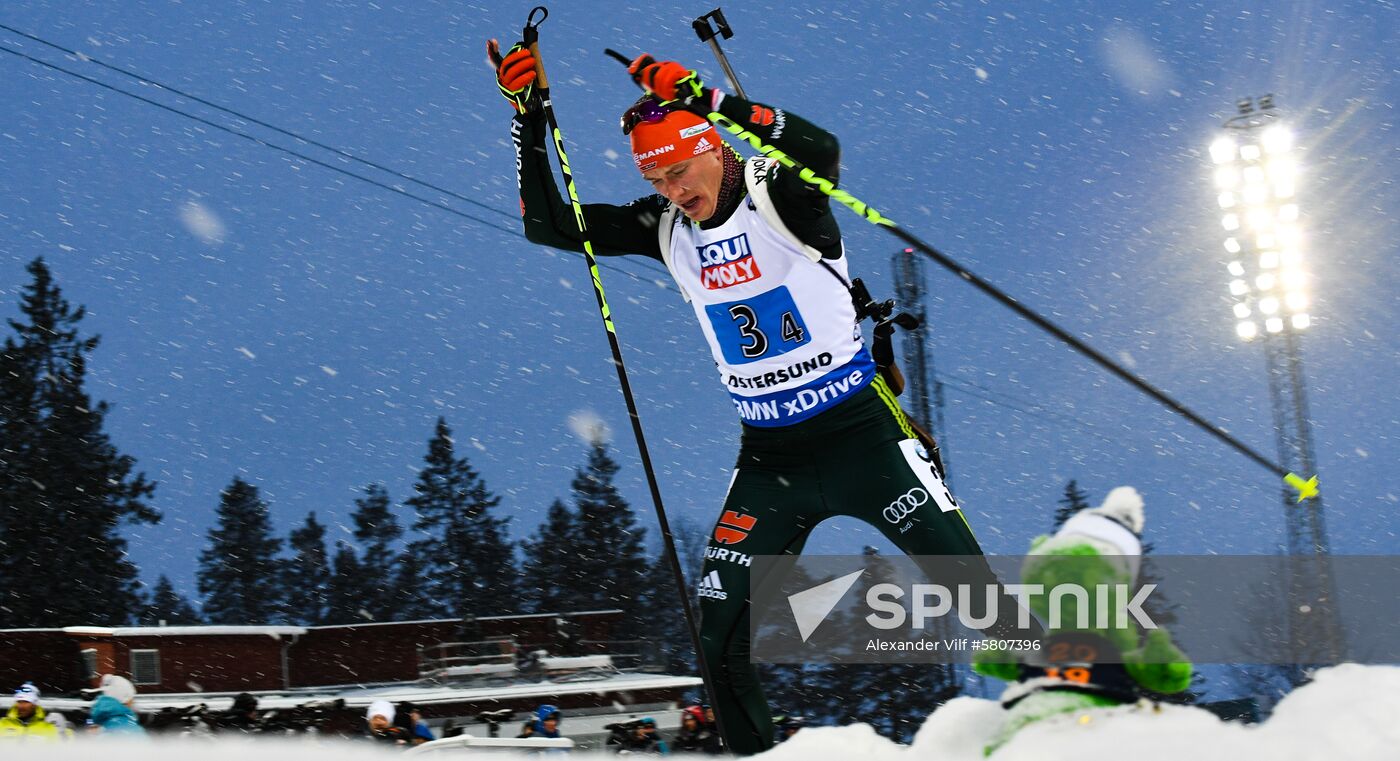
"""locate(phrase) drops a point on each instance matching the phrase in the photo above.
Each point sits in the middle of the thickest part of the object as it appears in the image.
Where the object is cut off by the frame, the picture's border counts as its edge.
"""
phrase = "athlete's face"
(693, 184)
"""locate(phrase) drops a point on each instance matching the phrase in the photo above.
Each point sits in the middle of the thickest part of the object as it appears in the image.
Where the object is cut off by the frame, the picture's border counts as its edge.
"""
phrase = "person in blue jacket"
(547, 718)
(111, 713)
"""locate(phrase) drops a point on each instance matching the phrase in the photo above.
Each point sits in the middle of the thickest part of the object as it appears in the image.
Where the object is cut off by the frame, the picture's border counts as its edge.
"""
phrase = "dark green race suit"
(858, 459)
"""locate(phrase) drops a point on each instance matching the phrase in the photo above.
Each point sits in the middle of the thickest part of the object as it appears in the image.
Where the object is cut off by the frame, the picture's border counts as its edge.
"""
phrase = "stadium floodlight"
(1227, 177)
(1255, 172)
(1255, 176)
(1277, 139)
(1222, 151)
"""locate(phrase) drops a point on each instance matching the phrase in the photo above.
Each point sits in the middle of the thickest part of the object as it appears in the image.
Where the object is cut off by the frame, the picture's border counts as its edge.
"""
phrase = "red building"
(452, 670)
(231, 659)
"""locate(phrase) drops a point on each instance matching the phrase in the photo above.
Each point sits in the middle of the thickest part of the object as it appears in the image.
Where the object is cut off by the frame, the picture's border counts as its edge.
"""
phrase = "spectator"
(112, 711)
(61, 725)
(547, 718)
(646, 739)
(411, 720)
(26, 719)
(380, 720)
(243, 716)
(526, 730)
(694, 736)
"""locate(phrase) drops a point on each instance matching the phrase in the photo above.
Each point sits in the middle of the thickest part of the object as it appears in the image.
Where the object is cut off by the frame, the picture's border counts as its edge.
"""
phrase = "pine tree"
(308, 574)
(664, 630)
(168, 608)
(414, 601)
(345, 603)
(1074, 500)
(551, 578)
(239, 573)
(65, 489)
(467, 560)
(612, 551)
(376, 529)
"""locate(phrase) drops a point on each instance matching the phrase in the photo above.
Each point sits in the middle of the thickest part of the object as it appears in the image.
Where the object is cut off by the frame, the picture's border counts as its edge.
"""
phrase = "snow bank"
(1347, 712)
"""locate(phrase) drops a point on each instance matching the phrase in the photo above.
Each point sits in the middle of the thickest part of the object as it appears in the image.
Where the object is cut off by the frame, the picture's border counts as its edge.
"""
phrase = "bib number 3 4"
(764, 326)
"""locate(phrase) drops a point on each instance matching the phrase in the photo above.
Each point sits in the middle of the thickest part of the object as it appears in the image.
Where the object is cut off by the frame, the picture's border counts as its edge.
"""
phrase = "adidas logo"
(711, 588)
(701, 147)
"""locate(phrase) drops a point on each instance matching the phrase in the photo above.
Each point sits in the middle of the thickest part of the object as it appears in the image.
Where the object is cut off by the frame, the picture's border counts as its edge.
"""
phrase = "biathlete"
(758, 254)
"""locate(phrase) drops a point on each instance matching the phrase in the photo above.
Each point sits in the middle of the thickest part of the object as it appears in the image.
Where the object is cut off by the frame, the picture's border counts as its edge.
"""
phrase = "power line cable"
(255, 139)
(1068, 422)
(254, 120)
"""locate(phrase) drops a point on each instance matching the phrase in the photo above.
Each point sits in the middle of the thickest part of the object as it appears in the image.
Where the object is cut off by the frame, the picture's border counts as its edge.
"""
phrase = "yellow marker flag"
(1305, 489)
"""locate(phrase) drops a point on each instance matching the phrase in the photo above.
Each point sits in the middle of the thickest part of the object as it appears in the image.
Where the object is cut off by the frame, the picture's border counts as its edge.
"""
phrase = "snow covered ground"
(1348, 712)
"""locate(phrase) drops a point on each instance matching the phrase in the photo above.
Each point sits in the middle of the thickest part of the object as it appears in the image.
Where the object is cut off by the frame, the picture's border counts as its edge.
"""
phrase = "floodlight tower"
(923, 392)
(1256, 178)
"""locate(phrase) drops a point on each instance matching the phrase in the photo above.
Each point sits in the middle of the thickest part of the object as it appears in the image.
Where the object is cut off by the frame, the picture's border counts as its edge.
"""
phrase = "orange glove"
(515, 75)
(666, 80)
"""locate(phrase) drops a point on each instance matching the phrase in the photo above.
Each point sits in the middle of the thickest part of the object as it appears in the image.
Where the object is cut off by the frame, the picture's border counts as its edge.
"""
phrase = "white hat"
(118, 687)
(380, 708)
(27, 693)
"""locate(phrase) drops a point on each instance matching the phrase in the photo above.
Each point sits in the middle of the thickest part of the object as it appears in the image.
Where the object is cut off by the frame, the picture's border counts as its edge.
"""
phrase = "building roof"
(275, 632)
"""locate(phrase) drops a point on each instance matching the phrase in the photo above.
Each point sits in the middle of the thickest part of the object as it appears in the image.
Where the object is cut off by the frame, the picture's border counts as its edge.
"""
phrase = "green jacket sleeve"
(549, 217)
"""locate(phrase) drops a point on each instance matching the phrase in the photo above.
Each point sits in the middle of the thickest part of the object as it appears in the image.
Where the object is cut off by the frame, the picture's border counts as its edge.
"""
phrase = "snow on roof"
(420, 694)
(506, 617)
(185, 631)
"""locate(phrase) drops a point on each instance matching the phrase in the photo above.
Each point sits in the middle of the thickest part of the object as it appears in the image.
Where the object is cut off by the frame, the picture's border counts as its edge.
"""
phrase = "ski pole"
(1306, 488)
(531, 40)
(707, 35)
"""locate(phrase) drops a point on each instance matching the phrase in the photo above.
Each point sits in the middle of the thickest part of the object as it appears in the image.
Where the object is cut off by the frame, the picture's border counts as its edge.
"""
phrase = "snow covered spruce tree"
(307, 578)
(467, 563)
(345, 591)
(610, 567)
(664, 628)
(551, 582)
(168, 607)
(65, 489)
(363, 583)
(376, 530)
(239, 572)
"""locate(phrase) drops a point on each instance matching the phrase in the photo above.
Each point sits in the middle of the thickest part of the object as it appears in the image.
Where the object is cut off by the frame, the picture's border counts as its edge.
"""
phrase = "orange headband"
(677, 137)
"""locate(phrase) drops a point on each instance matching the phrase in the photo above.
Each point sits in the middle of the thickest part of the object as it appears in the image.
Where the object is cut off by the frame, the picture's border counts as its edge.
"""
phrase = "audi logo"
(907, 503)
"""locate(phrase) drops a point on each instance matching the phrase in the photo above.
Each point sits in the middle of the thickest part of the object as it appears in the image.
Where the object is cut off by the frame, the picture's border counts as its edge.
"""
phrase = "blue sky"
(270, 318)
